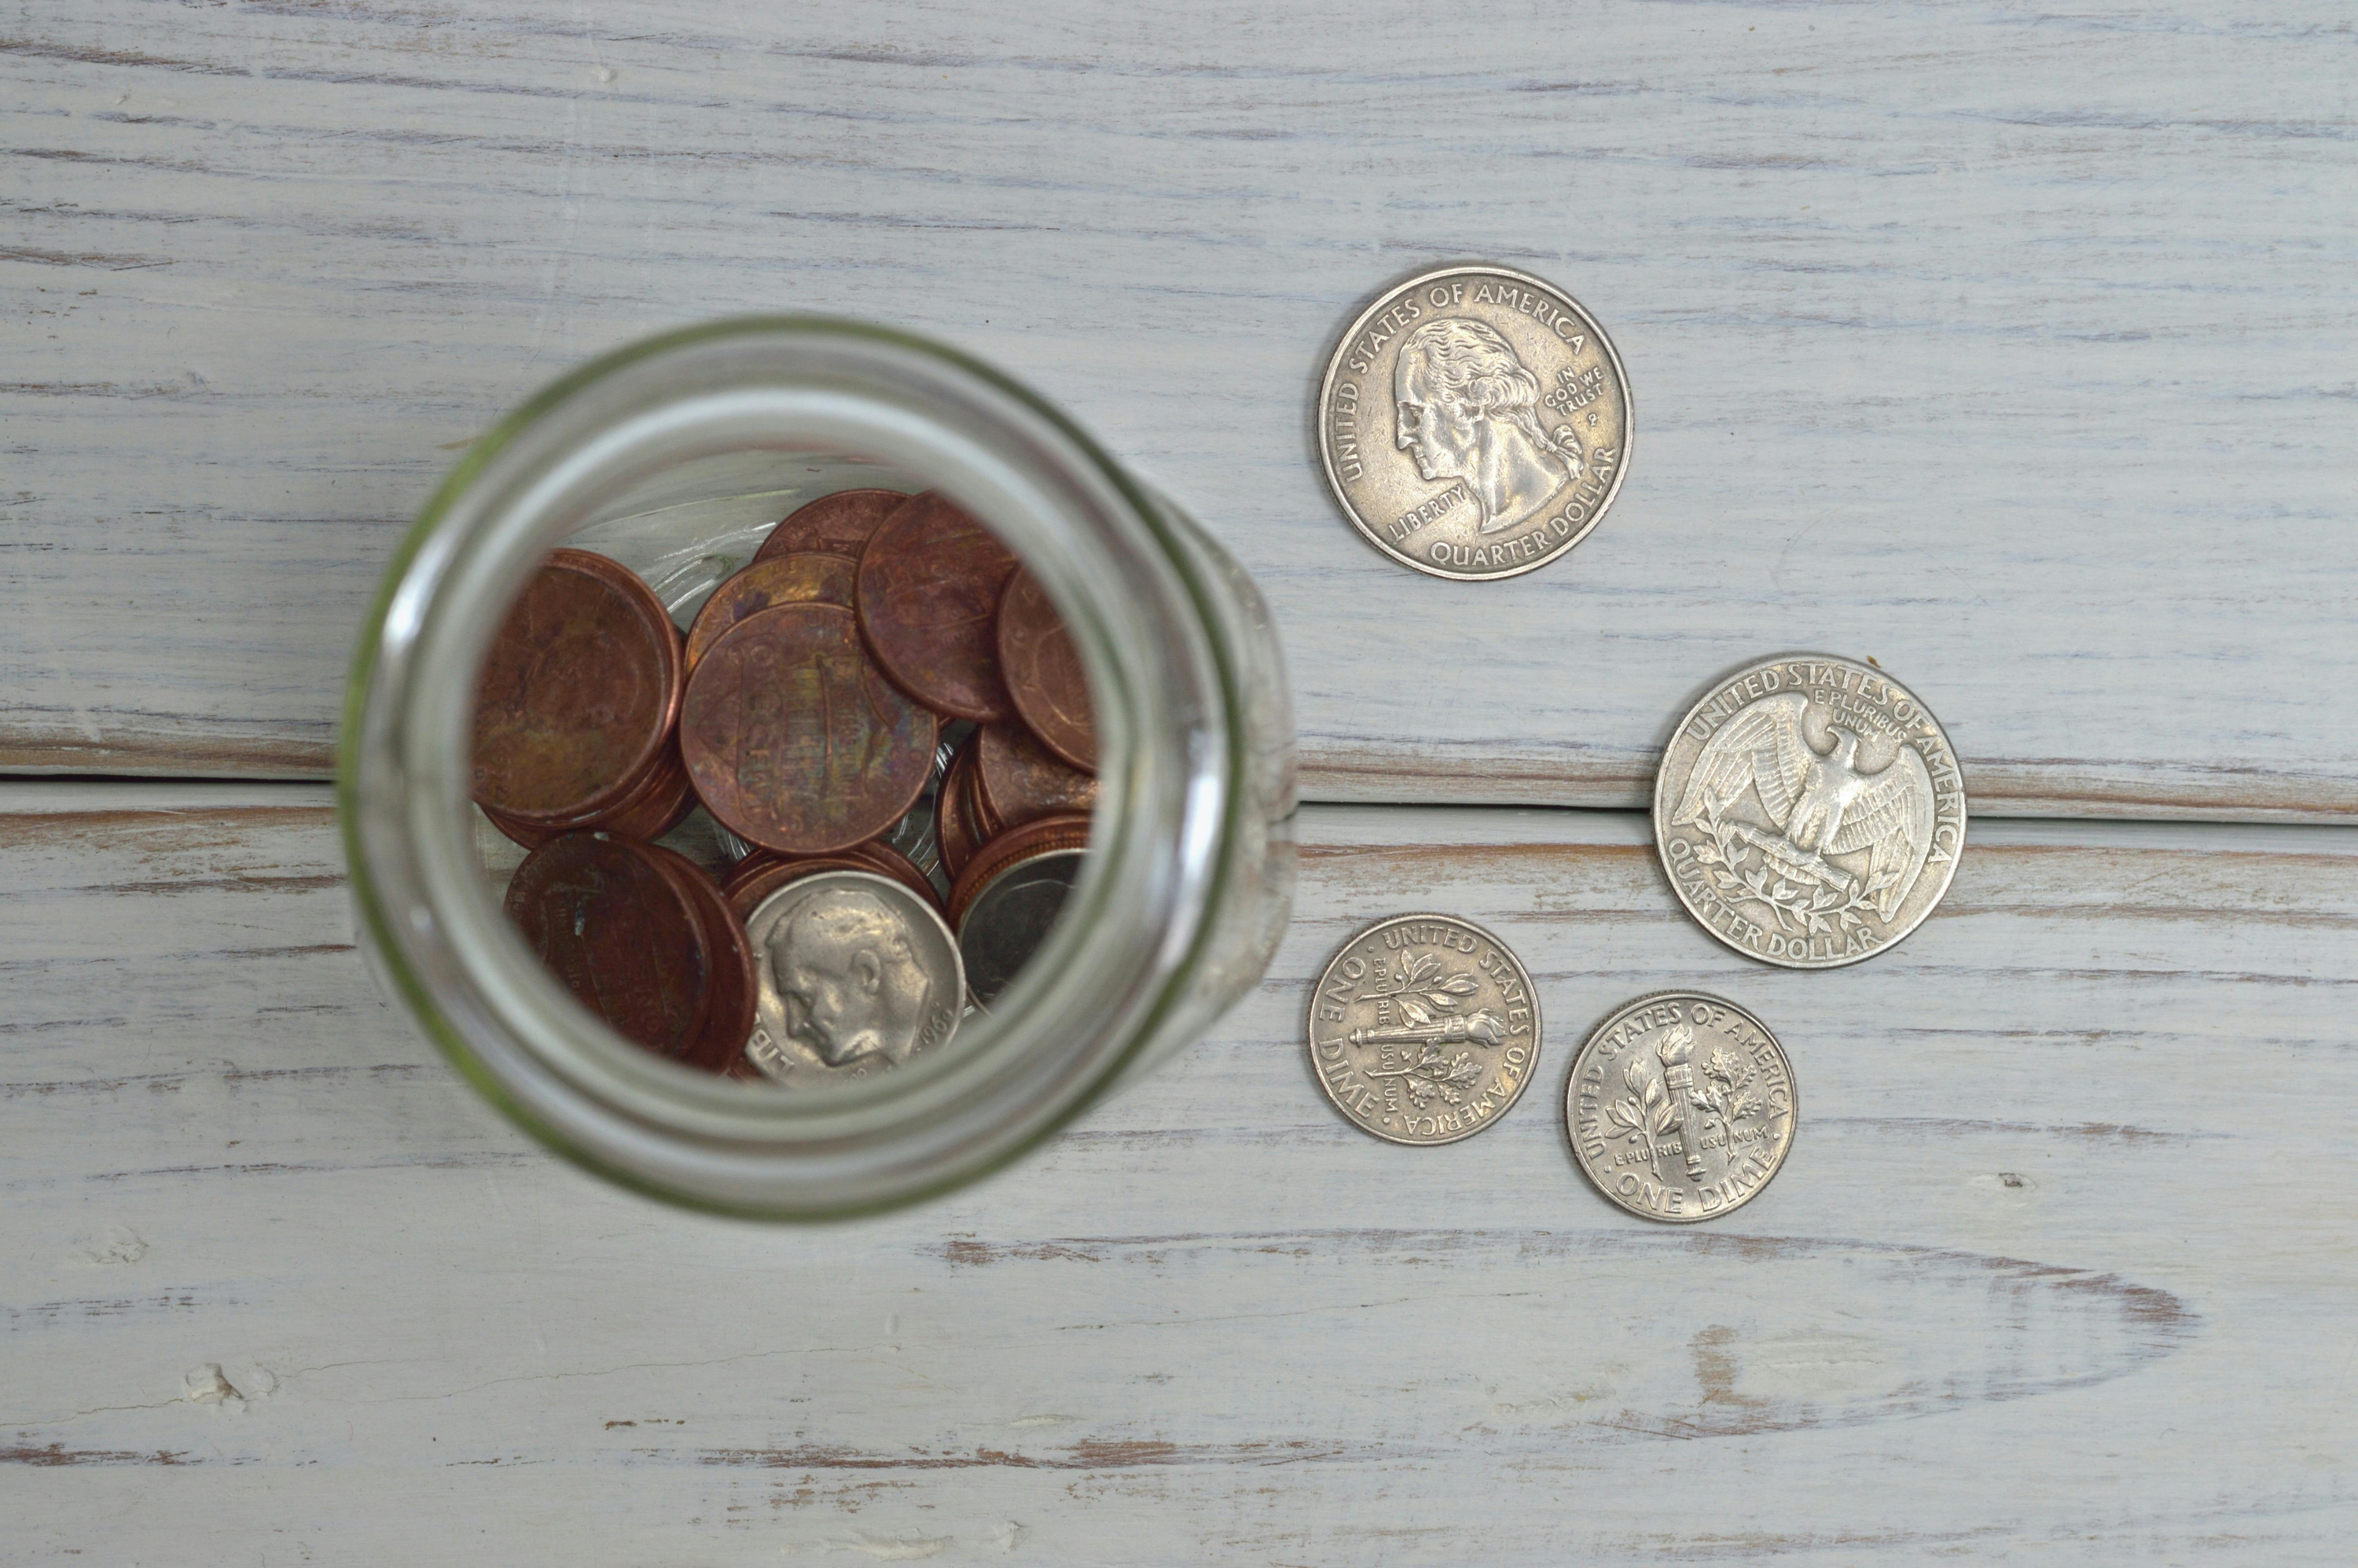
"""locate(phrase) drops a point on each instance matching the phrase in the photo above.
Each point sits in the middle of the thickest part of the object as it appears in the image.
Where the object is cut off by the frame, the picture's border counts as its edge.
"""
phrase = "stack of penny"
(890, 728)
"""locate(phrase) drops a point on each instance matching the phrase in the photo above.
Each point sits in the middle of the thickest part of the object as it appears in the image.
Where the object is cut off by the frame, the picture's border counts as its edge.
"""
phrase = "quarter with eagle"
(1810, 811)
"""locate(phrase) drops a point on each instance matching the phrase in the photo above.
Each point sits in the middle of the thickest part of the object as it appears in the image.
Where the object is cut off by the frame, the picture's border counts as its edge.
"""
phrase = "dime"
(1008, 901)
(619, 933)
(806, 577)
(837, 524)
(658, 803)
(959, 834)
(857, 975)
(1043, 672)
(729, 1017)
(1042, 837)
(1018, 780)
(1474, 422)
(1681, 1107)
(793, 741)
(929, 586)
(1810, 811)
(576, 694)
(1424, 1028)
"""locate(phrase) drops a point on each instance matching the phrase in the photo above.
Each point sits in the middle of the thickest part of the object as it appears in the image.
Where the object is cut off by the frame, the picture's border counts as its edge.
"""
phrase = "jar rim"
(1170, 768)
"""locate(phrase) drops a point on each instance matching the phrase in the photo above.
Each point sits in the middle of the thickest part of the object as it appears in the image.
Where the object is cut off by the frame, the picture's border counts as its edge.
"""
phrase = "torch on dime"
(1682, 1107)
(1424, 1029)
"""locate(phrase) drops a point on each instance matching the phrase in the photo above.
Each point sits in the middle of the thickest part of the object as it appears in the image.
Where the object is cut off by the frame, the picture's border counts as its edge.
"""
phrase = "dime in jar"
(1043, 672)
(857, 976)
(1810, 811)
(792, 738)
(1682, 1107)
(1009, 897)
(1474, 422)
(1424, 1028)
(929, 585)
(837, 524)
(576, 695)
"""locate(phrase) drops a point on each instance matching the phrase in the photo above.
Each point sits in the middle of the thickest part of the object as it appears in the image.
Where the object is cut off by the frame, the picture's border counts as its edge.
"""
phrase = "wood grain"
(2008, 346)
(2053, 1273)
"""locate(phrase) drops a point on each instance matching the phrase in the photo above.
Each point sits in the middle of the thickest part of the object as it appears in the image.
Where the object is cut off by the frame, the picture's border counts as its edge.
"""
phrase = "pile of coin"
(889, 727)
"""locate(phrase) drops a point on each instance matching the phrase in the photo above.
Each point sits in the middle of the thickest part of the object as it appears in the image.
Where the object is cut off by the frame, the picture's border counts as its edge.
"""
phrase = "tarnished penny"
(875, 855)
(659, 803)
(1010, 918)
(762, 873)
(806, 577)
(929, 585)
(793, 741)
(728, 1012)
(1047, 835)
(1043, 674)
(857, 975)
(1682, 1106)
(959, 835)
(838, 524)
(1018, 780)
(615, 928)
(1810, 811)
(1424, 1028)
(576, 694)
(1474, 422)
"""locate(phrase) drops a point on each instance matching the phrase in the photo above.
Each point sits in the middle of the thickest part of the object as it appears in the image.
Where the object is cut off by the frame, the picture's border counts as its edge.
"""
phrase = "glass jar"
(675, 456)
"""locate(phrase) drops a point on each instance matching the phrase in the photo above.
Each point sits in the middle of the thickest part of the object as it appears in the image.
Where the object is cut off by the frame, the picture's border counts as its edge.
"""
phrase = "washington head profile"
(851, 982)
(1468, 409)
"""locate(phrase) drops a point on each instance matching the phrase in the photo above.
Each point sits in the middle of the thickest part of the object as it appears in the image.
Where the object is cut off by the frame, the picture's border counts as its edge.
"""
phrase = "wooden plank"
(2052, 1273)
(2010, 348)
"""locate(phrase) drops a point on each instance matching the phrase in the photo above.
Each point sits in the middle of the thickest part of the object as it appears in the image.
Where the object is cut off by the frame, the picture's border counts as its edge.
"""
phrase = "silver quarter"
(1011, 916)
(856, 976)
(1810, 811)
(1424, 1028)
(1682, 1107)
(1474, 422)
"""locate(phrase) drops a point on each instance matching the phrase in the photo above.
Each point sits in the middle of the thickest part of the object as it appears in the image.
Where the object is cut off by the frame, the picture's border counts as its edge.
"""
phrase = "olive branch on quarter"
(1803, 911)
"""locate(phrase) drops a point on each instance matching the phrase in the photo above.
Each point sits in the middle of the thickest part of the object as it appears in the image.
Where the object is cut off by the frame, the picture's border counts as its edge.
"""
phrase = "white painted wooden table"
(2010, 345)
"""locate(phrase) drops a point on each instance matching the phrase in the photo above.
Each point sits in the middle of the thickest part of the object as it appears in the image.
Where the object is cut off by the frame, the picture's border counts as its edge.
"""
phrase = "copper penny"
(660, 802)
(1043, 674)
(578, 693)
(1050, 834)
(838, 524)
(929, 586)
(872, 855)
(955, 828)
(763, 875)
(806, 577)
(736, 987)
(615, 929)
(1020, 780)
(794, 739)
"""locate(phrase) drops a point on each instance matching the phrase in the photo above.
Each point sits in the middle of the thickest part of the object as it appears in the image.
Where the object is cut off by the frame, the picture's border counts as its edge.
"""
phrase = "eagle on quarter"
(1821, 804)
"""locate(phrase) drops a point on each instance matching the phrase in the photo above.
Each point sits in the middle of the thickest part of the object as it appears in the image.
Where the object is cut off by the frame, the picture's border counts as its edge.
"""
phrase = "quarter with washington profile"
(1474, 422)
(1810, 811)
